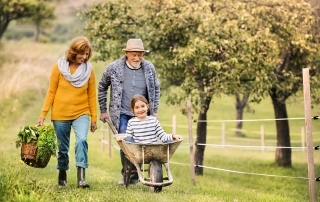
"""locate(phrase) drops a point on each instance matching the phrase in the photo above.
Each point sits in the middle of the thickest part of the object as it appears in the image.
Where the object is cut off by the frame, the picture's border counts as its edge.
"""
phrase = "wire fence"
(262, 147)
(305, 139)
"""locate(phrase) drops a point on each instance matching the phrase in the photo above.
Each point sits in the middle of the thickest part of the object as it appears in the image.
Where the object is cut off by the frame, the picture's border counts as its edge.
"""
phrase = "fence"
(263, 143)
(263, 147)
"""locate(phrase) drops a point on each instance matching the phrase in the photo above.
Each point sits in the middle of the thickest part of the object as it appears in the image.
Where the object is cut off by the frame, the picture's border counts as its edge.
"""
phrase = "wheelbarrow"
(155, 155)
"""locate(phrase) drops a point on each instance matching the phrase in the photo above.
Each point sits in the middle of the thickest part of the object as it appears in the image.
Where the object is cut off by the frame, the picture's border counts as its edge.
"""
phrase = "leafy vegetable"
(26, 134)
(45, 136)
(47, 142)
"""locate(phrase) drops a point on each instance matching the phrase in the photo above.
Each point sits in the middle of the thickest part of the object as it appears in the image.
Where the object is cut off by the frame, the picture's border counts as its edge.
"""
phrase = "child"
(143, 128)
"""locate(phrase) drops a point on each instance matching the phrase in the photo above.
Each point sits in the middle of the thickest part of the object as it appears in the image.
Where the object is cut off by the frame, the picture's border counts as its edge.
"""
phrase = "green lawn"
(231, 174)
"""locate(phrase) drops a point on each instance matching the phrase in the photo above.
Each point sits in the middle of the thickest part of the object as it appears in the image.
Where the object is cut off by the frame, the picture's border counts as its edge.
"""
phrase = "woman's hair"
(78, 45)
(137, 98)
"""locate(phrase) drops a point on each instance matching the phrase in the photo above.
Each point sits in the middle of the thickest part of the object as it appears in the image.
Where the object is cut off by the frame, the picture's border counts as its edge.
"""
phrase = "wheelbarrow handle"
(115, 132)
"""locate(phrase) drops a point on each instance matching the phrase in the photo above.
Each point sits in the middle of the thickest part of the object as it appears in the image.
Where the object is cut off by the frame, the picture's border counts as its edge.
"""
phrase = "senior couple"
(71, 96)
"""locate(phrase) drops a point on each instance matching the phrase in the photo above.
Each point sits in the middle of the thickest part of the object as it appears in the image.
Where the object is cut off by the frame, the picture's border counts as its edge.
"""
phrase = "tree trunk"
(3, 28)
(201, 138)
(240, 104)
(36, 33)
(283, 155)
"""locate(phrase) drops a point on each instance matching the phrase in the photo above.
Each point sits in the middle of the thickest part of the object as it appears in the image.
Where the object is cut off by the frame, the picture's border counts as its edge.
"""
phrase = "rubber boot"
(62, 179)
(82, 178)
(133, 177)
(123, 159)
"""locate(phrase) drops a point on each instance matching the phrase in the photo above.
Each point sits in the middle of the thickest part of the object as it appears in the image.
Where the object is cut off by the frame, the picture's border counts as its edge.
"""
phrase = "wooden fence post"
(223, 135)
(174, 124)
(262, 138)
(303, 144)
(109, 141)
(191, 143)
(307, 116)
(102, 136)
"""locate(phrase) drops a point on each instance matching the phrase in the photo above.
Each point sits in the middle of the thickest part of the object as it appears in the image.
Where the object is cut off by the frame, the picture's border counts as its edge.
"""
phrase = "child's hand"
(119, 138)
(176, 137)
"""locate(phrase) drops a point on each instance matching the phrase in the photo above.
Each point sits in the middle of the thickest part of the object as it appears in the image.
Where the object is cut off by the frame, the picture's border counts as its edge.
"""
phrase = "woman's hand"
(93, 126)
(40, 122)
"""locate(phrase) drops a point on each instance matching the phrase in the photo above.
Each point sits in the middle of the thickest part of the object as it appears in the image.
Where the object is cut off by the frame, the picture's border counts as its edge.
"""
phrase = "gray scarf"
(79, 77)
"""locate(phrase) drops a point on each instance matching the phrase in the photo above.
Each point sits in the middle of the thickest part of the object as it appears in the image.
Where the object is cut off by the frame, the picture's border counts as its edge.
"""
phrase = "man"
(128, 76)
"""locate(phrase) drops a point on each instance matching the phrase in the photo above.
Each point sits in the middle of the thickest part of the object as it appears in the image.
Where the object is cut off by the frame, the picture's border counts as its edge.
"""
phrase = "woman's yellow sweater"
(68, 102)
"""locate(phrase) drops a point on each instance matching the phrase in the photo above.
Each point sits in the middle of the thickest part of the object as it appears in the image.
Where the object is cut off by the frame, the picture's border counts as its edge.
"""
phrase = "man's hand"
(155, 115)
(104, 116)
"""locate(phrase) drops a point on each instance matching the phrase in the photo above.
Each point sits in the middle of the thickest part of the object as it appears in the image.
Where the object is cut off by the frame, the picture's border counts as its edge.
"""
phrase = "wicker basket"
(29, 154)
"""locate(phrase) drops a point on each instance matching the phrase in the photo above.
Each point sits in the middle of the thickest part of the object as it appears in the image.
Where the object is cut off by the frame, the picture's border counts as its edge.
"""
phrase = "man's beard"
(136, 64)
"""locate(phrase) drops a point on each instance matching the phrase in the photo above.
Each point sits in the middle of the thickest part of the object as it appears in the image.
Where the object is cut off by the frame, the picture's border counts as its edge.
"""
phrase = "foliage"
(13, 107)
(14, 35)
(45, 136)
(64, 26)
(19, 182)
(13, 10)
(44, 14)
(107, 30)
(42, 18)
(37, 11)
(224, 47)
(26, 134)
(47, 142)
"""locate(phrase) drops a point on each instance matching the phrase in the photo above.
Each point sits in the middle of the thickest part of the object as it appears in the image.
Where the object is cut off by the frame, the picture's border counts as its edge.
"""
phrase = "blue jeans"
(123, 123)
(63, 130)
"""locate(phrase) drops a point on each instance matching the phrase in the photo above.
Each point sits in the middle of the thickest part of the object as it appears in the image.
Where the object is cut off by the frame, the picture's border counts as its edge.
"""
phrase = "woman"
(72, 99)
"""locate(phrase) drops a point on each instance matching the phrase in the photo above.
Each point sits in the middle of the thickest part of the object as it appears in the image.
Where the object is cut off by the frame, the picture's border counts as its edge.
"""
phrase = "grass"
(253, 176)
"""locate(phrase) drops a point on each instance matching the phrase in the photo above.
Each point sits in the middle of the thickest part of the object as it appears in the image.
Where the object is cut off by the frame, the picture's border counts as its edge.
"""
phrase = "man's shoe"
(134, 182)
(62, 178)
(121, 181)
(134, 178)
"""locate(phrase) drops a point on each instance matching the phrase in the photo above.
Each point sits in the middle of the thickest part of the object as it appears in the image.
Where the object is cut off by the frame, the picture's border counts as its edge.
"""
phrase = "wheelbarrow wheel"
(155, 175)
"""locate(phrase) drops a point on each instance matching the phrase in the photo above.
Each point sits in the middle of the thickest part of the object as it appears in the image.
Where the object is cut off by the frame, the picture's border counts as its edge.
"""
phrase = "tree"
(240, 105)
(224, 47)
(42, 17)
(39, 11)
(296, 52)
(14, 10)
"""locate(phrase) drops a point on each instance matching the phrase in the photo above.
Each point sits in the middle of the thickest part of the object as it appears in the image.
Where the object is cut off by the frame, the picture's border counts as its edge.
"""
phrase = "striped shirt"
(146, 131)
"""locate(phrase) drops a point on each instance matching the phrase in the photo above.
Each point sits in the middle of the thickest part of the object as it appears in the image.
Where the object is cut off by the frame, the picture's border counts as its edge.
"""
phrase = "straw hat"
(135, 45)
